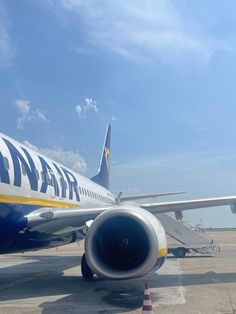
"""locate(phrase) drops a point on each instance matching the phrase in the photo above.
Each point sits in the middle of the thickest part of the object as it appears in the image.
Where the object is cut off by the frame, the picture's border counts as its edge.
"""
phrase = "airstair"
(188, 239)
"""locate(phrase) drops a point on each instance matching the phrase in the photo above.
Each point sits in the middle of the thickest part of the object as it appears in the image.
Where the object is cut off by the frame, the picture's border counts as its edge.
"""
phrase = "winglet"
(103, 175)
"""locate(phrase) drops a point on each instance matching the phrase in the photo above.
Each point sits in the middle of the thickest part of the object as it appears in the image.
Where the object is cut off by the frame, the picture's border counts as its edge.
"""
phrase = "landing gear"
(180, 252)
(85, 269)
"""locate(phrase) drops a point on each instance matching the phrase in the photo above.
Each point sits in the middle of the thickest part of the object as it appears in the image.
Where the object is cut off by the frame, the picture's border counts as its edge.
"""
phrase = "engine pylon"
(147, 303)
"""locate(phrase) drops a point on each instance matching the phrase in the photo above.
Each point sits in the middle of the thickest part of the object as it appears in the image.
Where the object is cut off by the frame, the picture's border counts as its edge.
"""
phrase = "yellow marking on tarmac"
(13, 199)
(162, 252)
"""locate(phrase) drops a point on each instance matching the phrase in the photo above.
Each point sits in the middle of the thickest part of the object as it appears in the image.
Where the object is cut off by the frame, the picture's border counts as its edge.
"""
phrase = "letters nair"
(49, 179)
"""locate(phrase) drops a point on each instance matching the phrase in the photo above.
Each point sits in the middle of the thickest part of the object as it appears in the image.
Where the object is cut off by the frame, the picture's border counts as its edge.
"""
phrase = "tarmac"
(49, 281)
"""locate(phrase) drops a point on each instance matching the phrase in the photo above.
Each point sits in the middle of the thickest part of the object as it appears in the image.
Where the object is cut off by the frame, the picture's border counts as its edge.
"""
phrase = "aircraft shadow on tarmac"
(44, 277)
(190, 256)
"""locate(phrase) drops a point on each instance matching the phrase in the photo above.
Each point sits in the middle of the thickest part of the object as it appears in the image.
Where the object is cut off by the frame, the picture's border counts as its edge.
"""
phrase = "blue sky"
(162, 72)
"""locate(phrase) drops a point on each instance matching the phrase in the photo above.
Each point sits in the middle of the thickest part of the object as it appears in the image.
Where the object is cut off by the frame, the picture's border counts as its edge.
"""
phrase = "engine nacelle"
(125, 243)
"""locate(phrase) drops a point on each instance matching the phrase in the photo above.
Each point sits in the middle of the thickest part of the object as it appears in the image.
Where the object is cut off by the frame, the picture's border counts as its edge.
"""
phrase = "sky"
(162, 72)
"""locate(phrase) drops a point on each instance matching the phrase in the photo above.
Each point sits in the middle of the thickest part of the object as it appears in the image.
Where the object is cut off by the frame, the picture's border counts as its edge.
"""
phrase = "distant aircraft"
(44, 204)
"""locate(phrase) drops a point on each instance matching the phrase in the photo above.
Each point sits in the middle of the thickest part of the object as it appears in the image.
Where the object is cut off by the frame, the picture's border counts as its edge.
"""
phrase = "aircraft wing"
(65, 219)
(61, 220)
(121, 198)
(179, 206)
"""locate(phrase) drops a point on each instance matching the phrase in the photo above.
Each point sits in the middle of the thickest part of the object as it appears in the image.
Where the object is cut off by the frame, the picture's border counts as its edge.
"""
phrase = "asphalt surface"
(49, 281)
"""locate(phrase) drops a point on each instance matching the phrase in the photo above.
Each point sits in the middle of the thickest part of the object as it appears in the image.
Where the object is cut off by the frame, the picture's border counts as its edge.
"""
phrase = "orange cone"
(147, 303)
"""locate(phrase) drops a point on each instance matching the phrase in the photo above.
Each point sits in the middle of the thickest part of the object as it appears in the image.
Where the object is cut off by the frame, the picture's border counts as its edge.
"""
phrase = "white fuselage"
(31, 178)
(32, 182)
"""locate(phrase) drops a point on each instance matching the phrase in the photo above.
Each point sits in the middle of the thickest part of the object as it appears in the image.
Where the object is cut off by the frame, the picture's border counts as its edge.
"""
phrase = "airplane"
(43, 204)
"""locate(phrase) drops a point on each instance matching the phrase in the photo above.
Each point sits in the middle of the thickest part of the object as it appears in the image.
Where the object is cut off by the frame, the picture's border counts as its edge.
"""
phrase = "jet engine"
(125, 243)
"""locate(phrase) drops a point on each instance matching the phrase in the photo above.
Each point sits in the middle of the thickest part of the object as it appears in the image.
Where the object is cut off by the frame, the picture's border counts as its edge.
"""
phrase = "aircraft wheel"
(85, 269)
(180, 252)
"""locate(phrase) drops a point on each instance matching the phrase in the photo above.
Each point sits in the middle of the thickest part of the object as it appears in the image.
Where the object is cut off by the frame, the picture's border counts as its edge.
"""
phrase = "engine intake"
(124, 243)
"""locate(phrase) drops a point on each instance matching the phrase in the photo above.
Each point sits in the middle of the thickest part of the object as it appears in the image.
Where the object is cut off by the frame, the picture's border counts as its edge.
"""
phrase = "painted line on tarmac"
(171, 295)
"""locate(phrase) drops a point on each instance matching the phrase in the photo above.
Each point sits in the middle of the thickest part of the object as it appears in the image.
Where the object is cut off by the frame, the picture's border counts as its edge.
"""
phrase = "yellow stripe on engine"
(162, 252)
(13, 199)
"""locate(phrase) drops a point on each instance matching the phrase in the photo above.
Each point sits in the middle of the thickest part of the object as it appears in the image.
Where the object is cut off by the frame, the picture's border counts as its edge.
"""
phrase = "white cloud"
(89, 105)
(7, 49)
(70, 159)
(143, 30)
(27, 114)
(41, 115)
(24, 109)
(114, 119)
(78, 109)
(23, 106)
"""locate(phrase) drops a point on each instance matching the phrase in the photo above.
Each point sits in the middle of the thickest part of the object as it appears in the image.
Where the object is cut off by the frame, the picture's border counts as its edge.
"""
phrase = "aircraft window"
(6, 163)
(61, 181)
(80, 190)
(23, 170)
(85, 192)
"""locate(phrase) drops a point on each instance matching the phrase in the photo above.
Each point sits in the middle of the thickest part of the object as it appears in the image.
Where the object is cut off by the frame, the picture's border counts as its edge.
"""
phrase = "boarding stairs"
(189, 240)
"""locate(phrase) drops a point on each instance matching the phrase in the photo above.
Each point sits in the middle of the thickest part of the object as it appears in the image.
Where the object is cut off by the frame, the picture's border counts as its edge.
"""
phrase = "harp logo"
(107, 156)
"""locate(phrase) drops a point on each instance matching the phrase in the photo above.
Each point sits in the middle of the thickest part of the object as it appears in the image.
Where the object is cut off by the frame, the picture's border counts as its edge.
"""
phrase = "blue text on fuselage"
(49, 172)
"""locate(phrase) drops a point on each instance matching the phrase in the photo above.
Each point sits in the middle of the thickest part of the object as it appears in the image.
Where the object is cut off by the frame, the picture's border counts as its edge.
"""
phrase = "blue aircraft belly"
(14, 236)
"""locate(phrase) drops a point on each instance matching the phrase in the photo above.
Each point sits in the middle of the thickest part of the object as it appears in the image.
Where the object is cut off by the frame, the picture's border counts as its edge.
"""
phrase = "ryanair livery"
(44, 204)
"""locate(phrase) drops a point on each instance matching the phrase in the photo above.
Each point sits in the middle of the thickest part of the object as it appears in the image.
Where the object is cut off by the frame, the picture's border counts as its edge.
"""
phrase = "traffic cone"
(147, 304)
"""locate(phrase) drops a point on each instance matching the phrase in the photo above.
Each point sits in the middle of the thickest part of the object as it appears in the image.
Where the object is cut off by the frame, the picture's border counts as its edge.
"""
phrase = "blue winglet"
(103, 175)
